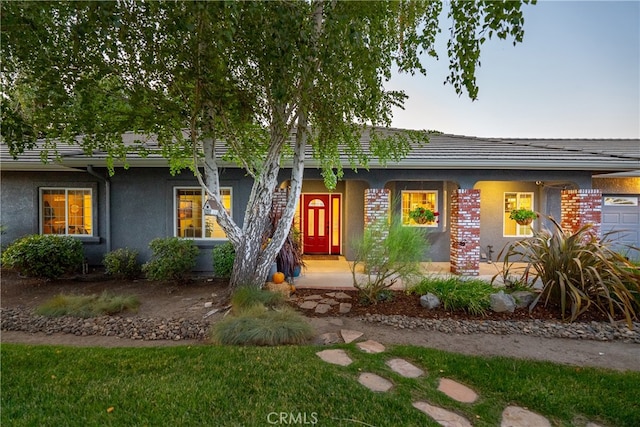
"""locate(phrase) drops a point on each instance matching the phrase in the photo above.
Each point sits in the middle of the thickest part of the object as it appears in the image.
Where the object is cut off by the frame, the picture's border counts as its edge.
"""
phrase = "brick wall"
(465, 232)
(581, 207)
(376, 204)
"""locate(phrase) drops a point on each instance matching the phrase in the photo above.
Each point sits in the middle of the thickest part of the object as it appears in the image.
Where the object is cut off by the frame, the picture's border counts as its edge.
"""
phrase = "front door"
(316, 214)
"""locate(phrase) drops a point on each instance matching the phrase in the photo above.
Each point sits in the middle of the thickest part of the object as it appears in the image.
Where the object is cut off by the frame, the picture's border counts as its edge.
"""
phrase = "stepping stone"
(442, 416)
(312, 297)
(336, 322)
(514, 416)
(336, 356)
(328, 338)
(371, 346)
(457, 391)
(341, 295)
(374, 382)
(331, 294)
(404, 368)
(322, 308)
(329, 301)
(350, 336)
(345, 307)
(308, 305)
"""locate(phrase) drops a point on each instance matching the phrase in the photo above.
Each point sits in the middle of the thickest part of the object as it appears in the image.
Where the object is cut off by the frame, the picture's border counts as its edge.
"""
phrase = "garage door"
(621, 214)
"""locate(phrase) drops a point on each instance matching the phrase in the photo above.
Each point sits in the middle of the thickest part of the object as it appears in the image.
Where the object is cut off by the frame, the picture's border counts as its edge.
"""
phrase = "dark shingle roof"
(443, 152)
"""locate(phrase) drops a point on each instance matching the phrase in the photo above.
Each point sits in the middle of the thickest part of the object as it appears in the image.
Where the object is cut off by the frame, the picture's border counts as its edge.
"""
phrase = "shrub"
(387, 251)
(260, 326)
(223, 257)
(122, 263)
(260, 318)
(472, 295)
(44, 256)
(172, 259)
(577, 271)
(87, 305)
(247, 297)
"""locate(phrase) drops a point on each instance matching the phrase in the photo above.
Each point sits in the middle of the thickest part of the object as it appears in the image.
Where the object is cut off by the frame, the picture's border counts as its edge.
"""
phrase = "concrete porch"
(336, 274)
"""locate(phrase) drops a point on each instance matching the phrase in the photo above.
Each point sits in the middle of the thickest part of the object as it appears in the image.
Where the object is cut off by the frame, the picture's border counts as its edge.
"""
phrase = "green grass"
(241, 386)
(87, 305)
(470, 295)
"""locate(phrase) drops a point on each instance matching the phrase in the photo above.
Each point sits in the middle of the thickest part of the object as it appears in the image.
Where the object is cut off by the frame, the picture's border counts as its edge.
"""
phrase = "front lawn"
(254, 386)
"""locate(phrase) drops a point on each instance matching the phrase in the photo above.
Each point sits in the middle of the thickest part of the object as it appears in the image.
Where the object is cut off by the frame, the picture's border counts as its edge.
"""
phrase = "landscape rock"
(501, 302)
(308, 305)
(322, 308)
(345, 307)
(328, 339)
(523, 298)
(430, 301)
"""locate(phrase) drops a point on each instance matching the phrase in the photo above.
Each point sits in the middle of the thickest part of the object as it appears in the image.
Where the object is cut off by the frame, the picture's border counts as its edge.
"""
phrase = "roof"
(444, 151)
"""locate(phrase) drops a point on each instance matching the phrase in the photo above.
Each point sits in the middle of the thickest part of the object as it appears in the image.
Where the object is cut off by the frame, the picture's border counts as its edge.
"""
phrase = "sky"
(575, 75)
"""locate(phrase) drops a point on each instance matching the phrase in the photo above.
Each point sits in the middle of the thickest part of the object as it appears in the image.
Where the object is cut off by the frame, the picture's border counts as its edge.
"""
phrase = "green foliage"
(191, 385)
(386, 252)
(523, 215)
(122, 263)
(44, 256)
(87, 305)
(259, 326)
(577, 271)
(172, 259)
(455, 293)
(223, 257)
(261, 318)
(247, 297)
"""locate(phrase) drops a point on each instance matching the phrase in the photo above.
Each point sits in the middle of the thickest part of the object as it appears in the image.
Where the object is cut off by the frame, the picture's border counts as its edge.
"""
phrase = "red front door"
(316, 214)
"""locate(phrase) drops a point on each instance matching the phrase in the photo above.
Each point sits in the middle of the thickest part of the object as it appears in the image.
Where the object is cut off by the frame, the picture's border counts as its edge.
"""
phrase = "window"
(516, 201)
(190, 219)
(66, 211)
(419, 199)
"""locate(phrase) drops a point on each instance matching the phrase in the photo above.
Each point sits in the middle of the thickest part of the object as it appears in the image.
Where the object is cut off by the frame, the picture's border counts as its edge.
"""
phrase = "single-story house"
(473, 183)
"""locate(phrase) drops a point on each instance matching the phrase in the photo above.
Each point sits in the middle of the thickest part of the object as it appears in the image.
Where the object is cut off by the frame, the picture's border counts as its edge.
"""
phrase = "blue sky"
(576, 75)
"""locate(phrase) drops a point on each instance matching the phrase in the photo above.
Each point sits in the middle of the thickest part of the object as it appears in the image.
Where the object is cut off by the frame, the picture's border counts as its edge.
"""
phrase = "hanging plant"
(422, 215)
(523, 216)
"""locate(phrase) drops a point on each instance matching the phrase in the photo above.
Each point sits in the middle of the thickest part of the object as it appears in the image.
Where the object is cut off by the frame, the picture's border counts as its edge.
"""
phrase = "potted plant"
(523, 216)
(423, 215)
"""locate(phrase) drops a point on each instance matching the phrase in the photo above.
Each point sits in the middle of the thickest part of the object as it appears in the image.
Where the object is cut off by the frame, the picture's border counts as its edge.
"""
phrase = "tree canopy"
(246, 73)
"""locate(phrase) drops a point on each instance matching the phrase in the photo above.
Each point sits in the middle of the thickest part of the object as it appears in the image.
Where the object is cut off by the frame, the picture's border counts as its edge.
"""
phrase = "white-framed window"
(66, 211)
(190, 220)
(512, 201)
(413, 199)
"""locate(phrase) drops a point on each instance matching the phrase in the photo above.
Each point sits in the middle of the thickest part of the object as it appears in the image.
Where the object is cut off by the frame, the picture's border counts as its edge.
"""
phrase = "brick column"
(376, 204)
(465, 232)
(581, 207)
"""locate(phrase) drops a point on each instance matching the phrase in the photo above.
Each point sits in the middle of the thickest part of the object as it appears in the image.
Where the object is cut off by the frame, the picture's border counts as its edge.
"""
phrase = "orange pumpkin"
(278, 277)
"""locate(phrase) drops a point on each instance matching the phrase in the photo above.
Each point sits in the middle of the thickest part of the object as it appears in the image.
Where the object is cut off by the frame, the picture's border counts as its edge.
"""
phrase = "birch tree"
(244, 74)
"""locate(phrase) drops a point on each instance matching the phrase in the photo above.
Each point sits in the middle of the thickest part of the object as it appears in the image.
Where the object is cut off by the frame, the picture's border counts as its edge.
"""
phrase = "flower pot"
(525, 221)
(297, 270)
(273, 270)
(421, 220)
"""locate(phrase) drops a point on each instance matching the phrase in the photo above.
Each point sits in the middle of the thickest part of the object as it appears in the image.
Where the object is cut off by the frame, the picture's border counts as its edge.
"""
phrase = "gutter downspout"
(107, 186)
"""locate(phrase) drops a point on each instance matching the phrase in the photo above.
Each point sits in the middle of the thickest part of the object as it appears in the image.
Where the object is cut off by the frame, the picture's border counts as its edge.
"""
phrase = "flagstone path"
(512, 416)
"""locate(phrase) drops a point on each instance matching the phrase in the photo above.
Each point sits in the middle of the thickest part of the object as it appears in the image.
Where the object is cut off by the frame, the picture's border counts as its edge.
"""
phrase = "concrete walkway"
(336, 274)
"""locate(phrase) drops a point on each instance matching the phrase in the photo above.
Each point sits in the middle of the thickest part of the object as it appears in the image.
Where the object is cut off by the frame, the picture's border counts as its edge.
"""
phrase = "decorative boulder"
(523, 298)
(502, 302)
(429, 301)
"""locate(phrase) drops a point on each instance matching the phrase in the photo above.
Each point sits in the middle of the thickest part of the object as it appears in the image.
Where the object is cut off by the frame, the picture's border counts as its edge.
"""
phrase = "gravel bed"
(598, 331)
(136, 328)
(139, 328)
